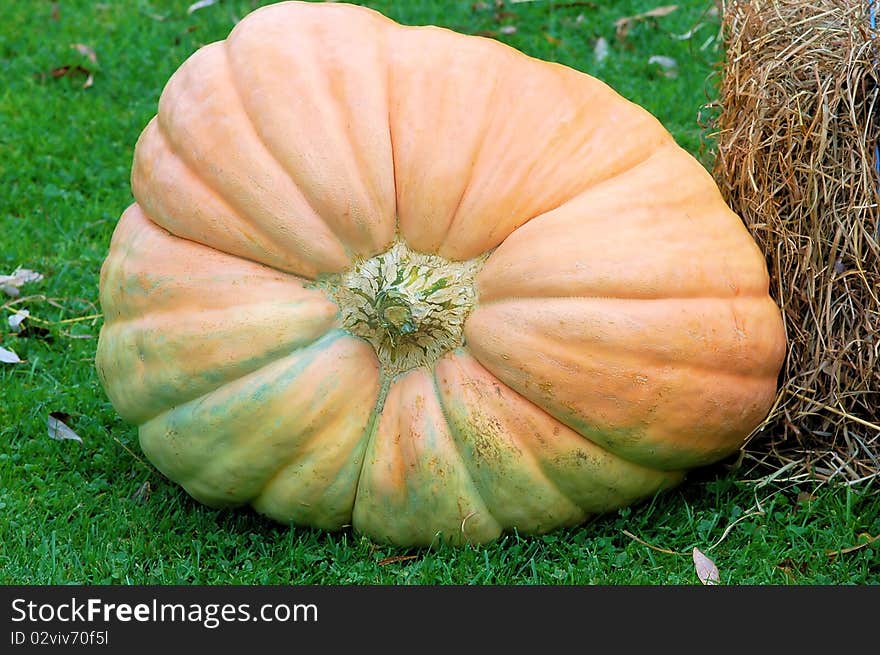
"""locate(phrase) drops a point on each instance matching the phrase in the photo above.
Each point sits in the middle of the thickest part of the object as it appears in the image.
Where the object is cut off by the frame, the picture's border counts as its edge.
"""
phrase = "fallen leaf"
(86, 51)
(58, 429)
(664, 62)
(600, 50)
(63, 71)
(20, 276)
(707, 572)
(201, 4)
(657, 12)
(690, 33)
(668, 64)
(622, 25)
(15, 320)
(8, 357)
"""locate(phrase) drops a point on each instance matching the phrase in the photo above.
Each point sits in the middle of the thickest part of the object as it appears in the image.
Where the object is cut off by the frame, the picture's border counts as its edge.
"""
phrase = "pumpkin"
(421, 284)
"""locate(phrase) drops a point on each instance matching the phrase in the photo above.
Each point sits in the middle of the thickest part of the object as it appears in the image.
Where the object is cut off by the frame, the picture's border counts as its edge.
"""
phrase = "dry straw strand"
(794, 129)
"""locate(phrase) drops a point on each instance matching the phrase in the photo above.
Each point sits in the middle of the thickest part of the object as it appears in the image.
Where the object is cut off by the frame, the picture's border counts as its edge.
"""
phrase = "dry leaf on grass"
(86, 51)
(600, 50)
(10, 284)
(66, 71)
(622, 25)
(707, 572)
(201, 4)
(58, 429)
(15, 320)
(8, 357)
(668, 64)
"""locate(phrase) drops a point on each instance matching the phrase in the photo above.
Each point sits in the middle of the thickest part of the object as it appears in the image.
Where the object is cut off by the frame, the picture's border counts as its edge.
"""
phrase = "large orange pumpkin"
(422, 284)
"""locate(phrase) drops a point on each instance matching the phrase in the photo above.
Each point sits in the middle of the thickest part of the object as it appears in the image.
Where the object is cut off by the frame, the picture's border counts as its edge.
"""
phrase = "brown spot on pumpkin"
(488, 439)
(436, 468)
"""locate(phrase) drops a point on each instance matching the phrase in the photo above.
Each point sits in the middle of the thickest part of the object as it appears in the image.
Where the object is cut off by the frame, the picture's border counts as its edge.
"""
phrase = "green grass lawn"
(97, 512)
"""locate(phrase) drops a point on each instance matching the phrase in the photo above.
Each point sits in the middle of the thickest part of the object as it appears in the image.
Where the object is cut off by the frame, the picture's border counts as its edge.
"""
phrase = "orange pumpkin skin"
(419, 283)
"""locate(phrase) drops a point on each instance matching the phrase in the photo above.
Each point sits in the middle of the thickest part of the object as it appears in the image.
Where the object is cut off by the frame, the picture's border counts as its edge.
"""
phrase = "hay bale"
(795, 129)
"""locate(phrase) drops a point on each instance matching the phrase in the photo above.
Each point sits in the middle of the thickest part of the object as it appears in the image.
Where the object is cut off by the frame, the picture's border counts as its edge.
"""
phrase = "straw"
(795, 132)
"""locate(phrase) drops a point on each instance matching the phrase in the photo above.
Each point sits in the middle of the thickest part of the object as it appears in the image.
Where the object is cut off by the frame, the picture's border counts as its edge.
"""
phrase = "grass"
(72, 512)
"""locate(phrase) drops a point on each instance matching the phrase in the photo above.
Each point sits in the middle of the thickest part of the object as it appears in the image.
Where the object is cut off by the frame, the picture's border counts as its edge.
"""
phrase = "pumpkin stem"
(410, 306)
